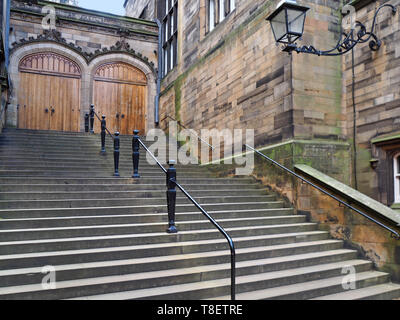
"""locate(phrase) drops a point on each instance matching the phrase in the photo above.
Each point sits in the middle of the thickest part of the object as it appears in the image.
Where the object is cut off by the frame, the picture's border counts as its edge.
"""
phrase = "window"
(217, 12)
(170, 25)
(211, 15)
(396, 174)
(221, 10)
(232, 4)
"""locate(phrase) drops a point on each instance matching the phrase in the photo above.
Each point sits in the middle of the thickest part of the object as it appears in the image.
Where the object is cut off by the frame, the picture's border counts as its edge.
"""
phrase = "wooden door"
(119, 93)
(49, 93)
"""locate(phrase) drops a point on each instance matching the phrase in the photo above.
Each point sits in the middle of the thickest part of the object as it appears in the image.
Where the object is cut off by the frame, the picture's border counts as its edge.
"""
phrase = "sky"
(111, 6)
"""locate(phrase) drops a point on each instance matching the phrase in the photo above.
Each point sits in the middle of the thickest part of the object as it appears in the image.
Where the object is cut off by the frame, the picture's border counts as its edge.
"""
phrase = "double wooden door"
(119, 93)
(49, 93)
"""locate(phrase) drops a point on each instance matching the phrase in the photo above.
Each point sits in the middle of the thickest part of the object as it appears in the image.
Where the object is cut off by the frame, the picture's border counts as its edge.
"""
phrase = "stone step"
(106, 236)
(88, 164)
(114, 229)
(95, 202)
(12, 133)
(312, 289)
(385, 291)
(139, 209)
(166, 257)
(59, 169)
(211, 288)
(99, 174)
(31, 223)
(186, 277)
(22, 188)
(59, 136)
(203, 240)
(118, 267)
(73, 148)
(185, 181)
(12, 196)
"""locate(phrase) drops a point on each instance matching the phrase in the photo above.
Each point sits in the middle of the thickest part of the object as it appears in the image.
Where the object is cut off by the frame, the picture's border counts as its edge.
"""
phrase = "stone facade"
(143, 9)
(234, 76)
(88, 38)
(299, 105)
(377, 103)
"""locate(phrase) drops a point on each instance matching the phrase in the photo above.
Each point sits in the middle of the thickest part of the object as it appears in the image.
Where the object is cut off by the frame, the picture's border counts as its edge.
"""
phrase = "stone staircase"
(60, 206)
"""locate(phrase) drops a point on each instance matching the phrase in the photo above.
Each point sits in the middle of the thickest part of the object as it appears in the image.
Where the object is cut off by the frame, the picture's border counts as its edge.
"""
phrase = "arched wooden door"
(119, 93)
(49, 93)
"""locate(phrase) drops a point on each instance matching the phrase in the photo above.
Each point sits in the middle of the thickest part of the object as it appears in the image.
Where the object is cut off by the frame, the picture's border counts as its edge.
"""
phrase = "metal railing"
(171, 202)
(89, 127)
(394, 233)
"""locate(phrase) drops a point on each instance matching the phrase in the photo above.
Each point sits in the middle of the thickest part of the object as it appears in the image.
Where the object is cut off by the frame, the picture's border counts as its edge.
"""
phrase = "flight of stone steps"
(60, 206)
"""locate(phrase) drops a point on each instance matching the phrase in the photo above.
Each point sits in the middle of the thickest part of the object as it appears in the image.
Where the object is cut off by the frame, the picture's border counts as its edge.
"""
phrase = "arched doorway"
(119, 93)
(49, 93)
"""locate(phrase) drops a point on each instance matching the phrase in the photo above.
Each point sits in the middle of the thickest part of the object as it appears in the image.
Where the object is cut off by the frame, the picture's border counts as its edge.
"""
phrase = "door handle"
(117, 115)
(52, 110)
(46, 110)
(123, 116)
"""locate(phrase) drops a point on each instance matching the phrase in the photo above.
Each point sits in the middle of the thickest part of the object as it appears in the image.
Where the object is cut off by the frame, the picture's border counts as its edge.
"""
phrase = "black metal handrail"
(394, 233)
(224, 233)
(108, 131)
(181, 125)
(171, 203)
(153, 156)
(89, 126)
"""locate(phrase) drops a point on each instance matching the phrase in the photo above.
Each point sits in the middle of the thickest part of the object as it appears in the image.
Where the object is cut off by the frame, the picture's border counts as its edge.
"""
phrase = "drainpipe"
(159, 76)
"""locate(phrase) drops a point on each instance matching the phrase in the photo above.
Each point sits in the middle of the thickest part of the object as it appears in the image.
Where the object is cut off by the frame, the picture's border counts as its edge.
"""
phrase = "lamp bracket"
(347, 41)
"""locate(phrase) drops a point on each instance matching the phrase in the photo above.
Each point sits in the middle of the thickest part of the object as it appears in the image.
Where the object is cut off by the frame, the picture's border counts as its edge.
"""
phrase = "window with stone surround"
(168, 14)
(217, 11)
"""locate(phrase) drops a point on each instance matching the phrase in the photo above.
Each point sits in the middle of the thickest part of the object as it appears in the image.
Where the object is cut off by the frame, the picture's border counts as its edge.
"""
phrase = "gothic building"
(89, 53)
(215, 64)
(222, 69)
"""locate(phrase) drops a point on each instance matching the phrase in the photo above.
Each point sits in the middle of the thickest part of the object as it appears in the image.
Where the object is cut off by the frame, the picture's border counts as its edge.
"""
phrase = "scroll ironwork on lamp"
(287, 23)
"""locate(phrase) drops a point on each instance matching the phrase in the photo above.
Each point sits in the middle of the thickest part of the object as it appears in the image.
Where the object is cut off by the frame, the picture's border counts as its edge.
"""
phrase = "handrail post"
(86, 122)
(116, 154)
(233, 271)
(135, 154)
(103, 134)
(92, 118)
(171, 196)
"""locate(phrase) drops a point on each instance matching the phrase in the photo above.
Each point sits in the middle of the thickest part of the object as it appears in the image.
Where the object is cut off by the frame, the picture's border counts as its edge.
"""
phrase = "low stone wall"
(333, 159)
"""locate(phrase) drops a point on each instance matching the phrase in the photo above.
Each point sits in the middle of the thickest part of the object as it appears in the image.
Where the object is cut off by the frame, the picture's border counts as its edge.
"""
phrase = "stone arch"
(19, 53)
(130, 60)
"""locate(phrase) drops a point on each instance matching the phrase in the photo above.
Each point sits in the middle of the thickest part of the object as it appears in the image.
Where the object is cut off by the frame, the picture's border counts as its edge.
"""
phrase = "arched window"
(396, 176)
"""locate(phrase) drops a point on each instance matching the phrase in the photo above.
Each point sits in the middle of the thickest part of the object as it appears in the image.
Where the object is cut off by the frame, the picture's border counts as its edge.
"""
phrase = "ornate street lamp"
(287, 23)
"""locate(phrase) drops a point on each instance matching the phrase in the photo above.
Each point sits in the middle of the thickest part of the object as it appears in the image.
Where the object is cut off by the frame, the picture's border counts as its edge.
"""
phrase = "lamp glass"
(279, 26)
(295, 21)
(287, 22)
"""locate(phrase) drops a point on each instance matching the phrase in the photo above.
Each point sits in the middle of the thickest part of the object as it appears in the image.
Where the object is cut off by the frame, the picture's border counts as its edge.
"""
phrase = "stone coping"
(277, 145)
(386, 138)
(349, 194)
